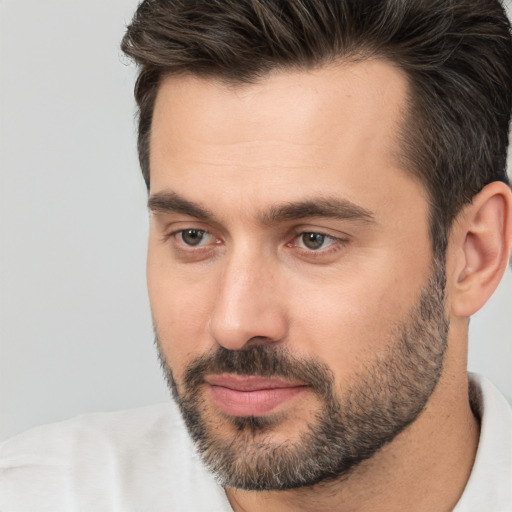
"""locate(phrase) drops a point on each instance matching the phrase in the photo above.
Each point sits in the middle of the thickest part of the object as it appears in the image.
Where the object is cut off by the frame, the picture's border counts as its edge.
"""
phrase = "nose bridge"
(247, 306)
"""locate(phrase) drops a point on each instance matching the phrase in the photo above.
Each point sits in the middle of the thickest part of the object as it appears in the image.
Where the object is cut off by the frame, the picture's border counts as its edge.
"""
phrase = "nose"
(248, 308)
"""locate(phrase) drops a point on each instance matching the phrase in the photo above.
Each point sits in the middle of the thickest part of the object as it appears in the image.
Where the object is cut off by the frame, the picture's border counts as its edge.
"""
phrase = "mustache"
(261, 361)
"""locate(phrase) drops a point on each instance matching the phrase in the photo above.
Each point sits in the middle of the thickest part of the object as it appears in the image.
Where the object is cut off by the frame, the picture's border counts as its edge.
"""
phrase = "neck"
(436, 452)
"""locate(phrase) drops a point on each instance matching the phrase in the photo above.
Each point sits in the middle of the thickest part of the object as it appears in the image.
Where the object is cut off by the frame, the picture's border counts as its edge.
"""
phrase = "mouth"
(237, 395)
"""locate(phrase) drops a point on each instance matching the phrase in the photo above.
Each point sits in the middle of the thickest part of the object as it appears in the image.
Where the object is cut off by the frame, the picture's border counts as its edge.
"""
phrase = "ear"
(481, 248)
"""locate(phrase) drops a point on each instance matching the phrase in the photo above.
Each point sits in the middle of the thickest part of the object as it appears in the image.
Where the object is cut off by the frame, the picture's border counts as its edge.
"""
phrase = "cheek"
(343, 330)
(350, 322)
(180, 308)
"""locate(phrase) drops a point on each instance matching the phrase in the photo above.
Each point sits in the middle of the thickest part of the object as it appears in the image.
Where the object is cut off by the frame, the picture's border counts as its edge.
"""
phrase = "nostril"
(257, 329)
(260, 340)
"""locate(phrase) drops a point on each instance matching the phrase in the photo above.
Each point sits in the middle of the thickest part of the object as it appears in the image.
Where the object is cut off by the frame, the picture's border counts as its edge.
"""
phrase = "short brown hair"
(457, 55)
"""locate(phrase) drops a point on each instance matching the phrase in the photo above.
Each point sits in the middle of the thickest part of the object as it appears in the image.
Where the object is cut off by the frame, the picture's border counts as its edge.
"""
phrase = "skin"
(239, 151)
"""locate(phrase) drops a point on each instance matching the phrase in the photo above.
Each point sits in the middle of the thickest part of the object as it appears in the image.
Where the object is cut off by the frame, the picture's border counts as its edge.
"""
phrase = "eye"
(192, 244)
(193, 237)
(314, 241)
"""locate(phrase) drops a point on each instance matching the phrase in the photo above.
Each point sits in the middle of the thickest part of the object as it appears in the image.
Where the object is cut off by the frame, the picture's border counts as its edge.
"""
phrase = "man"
(329, 206)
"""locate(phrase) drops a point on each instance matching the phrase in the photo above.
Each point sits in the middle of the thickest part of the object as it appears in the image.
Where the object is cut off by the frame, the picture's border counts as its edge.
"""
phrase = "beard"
(350, 426)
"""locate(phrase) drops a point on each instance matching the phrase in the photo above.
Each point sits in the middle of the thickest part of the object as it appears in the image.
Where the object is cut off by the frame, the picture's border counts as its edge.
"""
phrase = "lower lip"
(252, 403)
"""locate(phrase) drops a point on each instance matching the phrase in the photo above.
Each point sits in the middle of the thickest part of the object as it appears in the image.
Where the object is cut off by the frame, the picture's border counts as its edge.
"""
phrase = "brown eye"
(313, 241)
(192, 237)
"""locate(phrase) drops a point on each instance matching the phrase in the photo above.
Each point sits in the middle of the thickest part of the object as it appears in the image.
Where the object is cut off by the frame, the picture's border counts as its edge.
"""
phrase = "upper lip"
(249, 382)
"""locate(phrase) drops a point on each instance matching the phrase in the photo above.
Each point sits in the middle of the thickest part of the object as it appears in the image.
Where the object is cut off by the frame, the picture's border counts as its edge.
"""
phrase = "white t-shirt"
(142, 460)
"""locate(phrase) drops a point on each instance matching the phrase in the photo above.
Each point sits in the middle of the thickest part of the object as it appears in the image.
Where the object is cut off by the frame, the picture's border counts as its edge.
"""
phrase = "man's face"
(297, 308)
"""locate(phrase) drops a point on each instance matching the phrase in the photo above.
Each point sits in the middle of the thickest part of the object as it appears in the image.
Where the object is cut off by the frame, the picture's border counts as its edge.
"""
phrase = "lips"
(249, 395)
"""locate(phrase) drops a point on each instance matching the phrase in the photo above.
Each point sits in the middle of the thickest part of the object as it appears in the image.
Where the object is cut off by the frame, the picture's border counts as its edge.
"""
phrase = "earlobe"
(484, 242)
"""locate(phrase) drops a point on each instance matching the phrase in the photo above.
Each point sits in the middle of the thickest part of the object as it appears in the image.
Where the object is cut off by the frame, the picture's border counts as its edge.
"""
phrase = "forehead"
(371, 92)
(334, 126)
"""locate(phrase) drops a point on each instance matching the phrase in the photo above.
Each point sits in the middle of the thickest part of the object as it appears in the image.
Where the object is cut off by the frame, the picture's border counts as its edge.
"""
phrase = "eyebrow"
(170, 202)
(325, 207)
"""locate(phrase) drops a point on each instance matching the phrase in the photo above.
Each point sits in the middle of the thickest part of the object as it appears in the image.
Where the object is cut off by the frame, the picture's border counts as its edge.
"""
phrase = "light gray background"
(75, 325)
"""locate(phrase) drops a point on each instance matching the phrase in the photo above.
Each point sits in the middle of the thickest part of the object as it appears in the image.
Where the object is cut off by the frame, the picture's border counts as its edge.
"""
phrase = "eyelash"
(336, 244)
(175, 234)
(300, 237)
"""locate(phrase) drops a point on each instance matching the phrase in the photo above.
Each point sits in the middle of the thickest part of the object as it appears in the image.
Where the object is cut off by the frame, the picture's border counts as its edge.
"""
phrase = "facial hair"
(351, 425)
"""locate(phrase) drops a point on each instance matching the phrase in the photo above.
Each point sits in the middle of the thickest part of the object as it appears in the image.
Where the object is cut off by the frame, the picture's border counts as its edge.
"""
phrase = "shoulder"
(139, 459)
(103, 434)
(490, 484)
